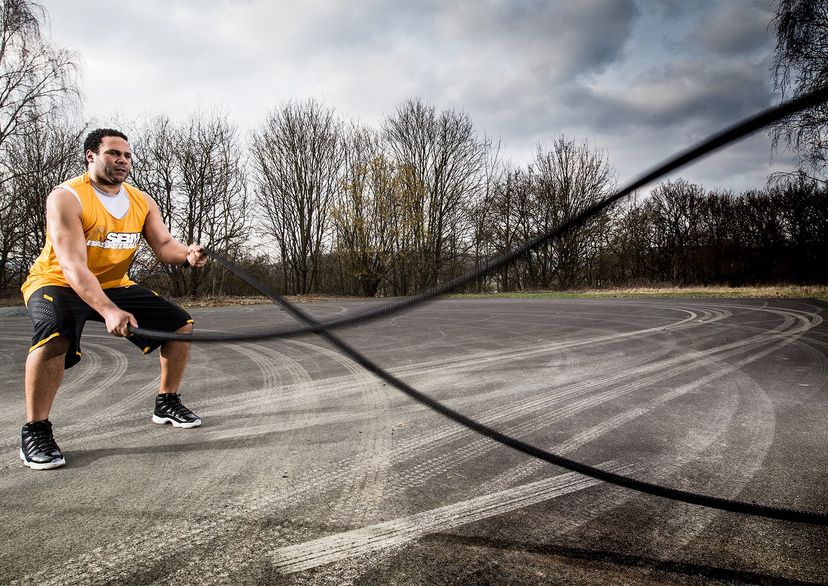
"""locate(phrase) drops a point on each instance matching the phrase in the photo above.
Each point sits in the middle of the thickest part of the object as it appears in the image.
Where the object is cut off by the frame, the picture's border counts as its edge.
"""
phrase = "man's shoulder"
(73, 188)
(74, 182)
(140, 198)
(132, 190)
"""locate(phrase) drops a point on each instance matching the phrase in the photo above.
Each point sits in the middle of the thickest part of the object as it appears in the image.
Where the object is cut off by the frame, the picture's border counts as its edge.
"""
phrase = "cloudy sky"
(638, 79)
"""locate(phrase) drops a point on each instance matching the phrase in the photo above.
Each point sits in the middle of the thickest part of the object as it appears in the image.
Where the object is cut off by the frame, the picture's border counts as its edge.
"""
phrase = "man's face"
(113, 161)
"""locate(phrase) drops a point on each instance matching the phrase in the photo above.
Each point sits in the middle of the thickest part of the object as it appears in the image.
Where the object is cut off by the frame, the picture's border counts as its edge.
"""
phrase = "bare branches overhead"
(801, 65)
(37, 79)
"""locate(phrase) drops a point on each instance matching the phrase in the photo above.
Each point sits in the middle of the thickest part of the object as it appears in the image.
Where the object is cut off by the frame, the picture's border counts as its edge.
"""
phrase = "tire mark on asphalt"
(272, 364)
(399, 532)
(480, 361)
(582, 438)
(276, 369)
(645, 375)
(79, 391)
(244, 401)
(370, 402)
(450, 433)
(686, 521)
(713, 429)
(821, 376)
(632, 414)
(155, 542)
(295, 393)
(746, 466)
(145, 394)
(531, 350)
(373, 441)
(240, 554)
(757, 432)
(756, 429)
(85, 370)
(592, 394)
(135, 422)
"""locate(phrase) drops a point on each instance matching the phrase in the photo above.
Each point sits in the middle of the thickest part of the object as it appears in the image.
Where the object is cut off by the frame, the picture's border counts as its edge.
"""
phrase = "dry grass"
(217, 301)
(779, 291)
(819, 292)
(225, 300)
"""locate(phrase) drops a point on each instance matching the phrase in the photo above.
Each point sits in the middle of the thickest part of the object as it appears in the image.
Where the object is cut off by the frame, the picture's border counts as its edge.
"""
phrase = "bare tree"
(568, 178)
(480, 208)
(35, 162)
(156, 166)
(442, 159)
(37, 84)
(803, 209)
(213, 202)
(509, 225)
(366, 211)
(717, 233)
(156, 172)
(195, 172)
(37, 80)
(681, 235)
(298, 157)
(801, 65)
(628, 257)
(676, 207)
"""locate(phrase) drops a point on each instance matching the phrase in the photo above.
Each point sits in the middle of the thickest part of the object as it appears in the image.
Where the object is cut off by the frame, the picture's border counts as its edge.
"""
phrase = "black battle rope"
(760, 510)
(592, 472)
(717, 141)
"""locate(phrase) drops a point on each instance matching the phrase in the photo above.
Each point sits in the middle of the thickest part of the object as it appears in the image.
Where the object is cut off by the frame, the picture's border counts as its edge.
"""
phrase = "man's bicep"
(155, 231)
(63, 219)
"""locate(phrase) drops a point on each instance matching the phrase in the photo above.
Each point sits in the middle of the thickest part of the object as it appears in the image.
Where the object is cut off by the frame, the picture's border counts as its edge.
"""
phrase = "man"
(94, 224)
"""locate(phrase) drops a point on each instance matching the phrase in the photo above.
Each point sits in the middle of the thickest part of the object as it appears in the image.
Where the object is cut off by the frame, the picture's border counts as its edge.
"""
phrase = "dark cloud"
(668, 89)
(735, 29)
(552, 40)
(640, 77)
(685, 94)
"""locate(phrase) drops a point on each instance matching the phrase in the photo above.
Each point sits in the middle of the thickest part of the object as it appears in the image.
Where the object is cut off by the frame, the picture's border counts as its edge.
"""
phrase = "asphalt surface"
(308, 470)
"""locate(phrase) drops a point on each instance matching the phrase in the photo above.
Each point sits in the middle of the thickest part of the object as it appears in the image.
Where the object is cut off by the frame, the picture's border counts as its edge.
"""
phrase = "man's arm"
(166, 248)
(63, 217)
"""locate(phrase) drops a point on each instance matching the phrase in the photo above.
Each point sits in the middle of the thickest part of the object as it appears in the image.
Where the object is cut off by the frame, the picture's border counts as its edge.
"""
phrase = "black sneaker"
(38, 448)
(168, 409)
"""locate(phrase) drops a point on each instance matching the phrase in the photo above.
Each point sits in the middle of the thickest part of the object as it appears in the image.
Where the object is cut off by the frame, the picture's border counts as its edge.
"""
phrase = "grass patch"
(229, 300)
(819, 292)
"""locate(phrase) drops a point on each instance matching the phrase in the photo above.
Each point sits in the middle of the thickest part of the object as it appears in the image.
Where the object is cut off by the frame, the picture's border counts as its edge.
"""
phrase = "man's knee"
(57, 346)
(168, 344)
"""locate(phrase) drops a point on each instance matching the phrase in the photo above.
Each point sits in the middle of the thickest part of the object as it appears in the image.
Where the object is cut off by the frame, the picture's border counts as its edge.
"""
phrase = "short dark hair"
(95, 138)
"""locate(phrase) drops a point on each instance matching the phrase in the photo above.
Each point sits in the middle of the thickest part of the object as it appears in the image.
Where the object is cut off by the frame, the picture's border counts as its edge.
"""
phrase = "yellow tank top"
(111, 242)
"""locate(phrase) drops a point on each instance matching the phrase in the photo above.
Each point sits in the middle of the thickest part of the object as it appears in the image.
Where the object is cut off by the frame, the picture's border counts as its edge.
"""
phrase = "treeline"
(311, 203)
(685, 236)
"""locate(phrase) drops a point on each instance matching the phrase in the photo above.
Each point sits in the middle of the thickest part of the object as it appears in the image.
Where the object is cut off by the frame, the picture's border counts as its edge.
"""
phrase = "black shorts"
(59, 311)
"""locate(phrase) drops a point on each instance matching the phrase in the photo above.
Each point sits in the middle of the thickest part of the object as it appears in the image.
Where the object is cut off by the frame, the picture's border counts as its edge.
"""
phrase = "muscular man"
(94, 223)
